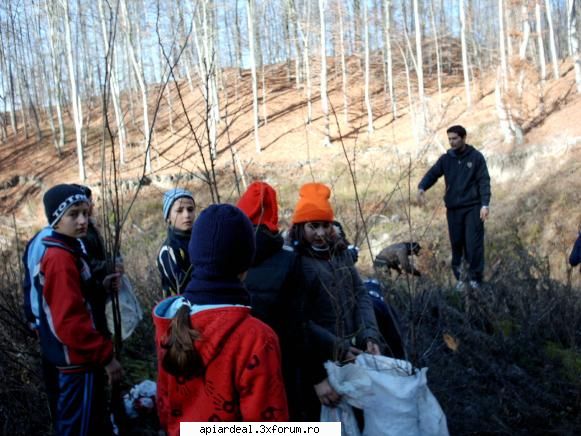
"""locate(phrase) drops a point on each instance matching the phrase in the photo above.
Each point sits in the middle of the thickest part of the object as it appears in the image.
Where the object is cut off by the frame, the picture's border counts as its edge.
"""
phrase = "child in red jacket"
(68, 337)
(215, 361)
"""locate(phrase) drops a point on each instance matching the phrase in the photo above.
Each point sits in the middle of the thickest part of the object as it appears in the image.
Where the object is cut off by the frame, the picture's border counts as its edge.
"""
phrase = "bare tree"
(252, 60)
(367, 68)
(139, 75)
(324, 96)
(75, 97)
(540, 43)
(465, 64)
(344, 82)
(573, 40)
(552, 45)
(419, 63)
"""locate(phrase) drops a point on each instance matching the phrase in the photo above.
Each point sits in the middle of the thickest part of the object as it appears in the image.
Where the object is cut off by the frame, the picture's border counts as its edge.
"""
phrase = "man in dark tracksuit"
(467, 201)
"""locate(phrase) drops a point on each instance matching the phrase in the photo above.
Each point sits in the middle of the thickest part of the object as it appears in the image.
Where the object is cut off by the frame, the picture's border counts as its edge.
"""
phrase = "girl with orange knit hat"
(338, 317)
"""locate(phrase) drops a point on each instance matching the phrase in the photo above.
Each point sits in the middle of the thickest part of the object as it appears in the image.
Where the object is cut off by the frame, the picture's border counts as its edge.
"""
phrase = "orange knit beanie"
(313, 204)
(259, 204)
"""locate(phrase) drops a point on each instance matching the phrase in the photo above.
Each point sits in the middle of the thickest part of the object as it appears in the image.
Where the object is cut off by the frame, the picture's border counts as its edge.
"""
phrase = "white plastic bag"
(343, 413)
(131, 312)
(140, 398)
(397, 400)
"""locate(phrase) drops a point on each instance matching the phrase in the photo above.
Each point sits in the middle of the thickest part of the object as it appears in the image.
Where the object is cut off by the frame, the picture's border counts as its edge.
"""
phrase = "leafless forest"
(116, 78)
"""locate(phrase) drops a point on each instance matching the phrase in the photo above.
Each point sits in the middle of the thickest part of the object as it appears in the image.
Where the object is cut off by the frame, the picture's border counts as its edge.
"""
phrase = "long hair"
(181, 358)
(296, 239)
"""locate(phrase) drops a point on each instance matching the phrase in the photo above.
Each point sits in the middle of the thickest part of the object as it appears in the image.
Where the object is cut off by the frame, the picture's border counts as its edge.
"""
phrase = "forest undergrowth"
(505, 359)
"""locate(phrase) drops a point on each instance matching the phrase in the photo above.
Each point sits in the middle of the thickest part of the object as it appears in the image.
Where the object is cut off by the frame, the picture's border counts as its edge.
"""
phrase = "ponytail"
(181, 358)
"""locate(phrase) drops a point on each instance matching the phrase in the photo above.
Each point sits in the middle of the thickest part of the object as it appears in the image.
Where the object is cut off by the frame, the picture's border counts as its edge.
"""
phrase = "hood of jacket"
(215, 323)
(453, 153)
(267, 244)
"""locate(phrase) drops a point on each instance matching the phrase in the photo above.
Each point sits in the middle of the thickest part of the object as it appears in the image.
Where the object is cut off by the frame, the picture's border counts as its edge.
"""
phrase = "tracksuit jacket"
(173, 262)
(68, 336)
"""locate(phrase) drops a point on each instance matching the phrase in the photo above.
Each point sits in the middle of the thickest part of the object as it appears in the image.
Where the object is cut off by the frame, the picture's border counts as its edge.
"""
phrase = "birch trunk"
(343, 65)
(139, 75)
(552, 45)
(419, 64)
(252, 60)
(75, 98)
(367, 68)
(56, 76)
(540, 43)
(573, 39)
(389, 57)
(502, 45)
(113, 83)
(324, 96)
(438, 60)
(465, 65)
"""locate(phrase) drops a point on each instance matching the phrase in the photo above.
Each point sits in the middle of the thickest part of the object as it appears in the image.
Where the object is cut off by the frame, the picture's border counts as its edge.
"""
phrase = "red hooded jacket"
(242, 379)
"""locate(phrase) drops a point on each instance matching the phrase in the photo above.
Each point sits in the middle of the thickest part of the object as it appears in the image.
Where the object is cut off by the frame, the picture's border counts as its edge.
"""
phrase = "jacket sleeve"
(172, 270)
(432, 175)
(71, 321)
(483, 182)
(162, 384)
(369, 329)
(26, 288)
(320, 344)
(575, 257)
(260, 385)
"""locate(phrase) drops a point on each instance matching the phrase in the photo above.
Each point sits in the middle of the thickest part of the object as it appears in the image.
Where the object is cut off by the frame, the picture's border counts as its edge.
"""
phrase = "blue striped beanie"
(171, 196)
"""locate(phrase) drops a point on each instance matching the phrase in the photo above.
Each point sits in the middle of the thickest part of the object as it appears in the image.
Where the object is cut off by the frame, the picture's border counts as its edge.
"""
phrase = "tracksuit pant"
(466, 231)
(81, 408)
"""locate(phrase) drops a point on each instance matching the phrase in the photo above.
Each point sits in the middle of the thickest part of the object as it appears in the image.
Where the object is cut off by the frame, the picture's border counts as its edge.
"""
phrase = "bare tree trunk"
(502, 48)
(573, 39)
(503, 114)
(56, 74)
(75, 98)
(540, 44)
(389, 57)
(343, 64)
(552, 45)
(438, 61)
(305, 35)
(465, 65)
(367, 68)
(324, 96)
(409, 92)
(107, 32)
(419, 65)
(7, 70)
(139, 75)
(252, 60)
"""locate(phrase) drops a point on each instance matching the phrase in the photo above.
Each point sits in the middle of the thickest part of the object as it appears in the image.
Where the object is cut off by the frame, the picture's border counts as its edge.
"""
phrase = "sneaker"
(474, 284)
(460, 285)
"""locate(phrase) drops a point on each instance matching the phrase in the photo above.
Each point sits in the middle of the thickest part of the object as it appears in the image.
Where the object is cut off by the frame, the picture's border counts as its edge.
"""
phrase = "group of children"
(247, 322)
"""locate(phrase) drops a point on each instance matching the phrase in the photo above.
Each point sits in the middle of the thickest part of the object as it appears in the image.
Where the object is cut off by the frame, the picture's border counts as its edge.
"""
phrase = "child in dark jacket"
(273, 282)
(338, 316)
(216, 362)
(173, 261)
(68, 337)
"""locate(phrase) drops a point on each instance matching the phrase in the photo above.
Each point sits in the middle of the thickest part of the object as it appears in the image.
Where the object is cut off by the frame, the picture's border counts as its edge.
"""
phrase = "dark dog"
(396, 257)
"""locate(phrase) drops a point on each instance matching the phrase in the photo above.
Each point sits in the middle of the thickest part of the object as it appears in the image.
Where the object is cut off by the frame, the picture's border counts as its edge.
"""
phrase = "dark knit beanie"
(86, 190)
(222, 243)
(58, 199)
